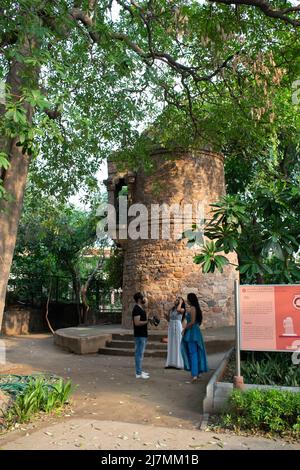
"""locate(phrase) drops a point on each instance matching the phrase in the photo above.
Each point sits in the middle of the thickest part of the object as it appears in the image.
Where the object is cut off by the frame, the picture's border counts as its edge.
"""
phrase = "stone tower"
(163, 268)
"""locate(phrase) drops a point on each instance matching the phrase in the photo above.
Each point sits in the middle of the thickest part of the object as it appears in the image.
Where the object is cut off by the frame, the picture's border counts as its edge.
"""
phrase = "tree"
(52, 242)
(76, 82)
(113, 268)
(282, 10)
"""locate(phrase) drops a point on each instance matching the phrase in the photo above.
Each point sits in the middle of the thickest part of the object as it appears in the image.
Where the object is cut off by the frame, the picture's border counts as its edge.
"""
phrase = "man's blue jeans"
(140, 345)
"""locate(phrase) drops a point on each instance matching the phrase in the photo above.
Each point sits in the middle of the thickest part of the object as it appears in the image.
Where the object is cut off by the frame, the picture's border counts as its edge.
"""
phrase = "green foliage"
(53, 251)
(209, 259)
(260, 224)
(106, 93)
(113, 269)
(57, 252)
(270, 369)
(52, 237)
(269, 411)
(39, 395)
(197, 75)
(4, 163)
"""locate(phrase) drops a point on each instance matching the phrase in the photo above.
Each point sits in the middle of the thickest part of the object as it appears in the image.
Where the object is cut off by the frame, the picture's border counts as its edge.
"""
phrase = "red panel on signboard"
(270, 318)
(287, 313)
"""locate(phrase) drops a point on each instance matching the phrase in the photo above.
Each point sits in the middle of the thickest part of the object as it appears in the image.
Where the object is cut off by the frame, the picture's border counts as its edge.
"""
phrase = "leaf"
(206, 266)
(4, 161)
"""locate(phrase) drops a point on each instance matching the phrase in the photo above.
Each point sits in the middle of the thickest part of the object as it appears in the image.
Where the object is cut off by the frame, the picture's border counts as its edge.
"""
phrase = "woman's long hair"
(182, 306)
(192, 298)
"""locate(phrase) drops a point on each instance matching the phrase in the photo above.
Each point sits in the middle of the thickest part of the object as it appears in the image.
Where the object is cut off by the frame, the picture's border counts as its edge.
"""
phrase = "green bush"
(270, 369)
(38, 395)
(270, 411)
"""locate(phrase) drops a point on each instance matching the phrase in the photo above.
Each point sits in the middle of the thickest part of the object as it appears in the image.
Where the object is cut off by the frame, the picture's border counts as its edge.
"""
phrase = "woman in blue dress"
(192, 345)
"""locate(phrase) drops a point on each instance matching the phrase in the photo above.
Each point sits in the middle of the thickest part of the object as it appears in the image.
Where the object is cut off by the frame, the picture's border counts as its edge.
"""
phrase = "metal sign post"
(238, 381)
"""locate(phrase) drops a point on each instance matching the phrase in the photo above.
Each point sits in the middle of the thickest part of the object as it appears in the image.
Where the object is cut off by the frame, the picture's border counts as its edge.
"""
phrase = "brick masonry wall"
(163, 269)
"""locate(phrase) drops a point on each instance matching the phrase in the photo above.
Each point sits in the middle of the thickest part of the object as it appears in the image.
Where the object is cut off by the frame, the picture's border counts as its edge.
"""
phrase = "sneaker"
(146, 373)
(142, 376)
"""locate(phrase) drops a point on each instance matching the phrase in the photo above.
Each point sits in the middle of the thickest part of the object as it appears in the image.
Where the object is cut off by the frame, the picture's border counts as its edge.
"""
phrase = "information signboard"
(269, 317)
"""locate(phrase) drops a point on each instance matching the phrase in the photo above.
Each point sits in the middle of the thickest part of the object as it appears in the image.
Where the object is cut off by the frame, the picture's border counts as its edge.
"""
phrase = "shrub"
(38, 395)
(270, 369)
(270, 411)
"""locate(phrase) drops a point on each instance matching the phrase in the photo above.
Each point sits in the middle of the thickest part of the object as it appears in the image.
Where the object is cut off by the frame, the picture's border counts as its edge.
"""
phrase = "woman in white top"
(175, 318)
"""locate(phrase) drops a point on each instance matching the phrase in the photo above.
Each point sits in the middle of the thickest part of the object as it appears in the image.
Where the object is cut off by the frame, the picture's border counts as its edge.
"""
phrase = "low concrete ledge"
(82, 340)
(208, 402)
(217, 392)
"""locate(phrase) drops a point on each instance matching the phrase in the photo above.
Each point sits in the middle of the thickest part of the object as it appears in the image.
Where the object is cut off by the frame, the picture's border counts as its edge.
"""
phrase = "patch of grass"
(38, 395)
(267, 411)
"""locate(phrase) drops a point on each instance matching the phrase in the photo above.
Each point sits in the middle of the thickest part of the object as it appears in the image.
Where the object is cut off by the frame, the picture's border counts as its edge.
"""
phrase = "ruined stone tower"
(164, 268)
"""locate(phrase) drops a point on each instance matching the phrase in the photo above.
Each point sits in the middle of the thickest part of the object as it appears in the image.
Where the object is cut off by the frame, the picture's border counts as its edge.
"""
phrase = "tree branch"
(267, 9)
(150, 55)
(52, 113)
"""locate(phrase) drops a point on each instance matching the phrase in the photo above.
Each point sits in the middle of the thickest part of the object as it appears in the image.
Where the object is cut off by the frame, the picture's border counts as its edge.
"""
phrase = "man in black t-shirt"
(140, 328)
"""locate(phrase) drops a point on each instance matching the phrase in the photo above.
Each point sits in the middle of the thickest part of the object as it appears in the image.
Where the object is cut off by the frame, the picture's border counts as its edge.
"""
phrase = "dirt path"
(90, 434)
(107, 388)
(163, 409)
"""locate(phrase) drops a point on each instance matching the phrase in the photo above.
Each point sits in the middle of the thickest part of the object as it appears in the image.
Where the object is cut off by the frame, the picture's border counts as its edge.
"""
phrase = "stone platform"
(85, 339)
(116, 341)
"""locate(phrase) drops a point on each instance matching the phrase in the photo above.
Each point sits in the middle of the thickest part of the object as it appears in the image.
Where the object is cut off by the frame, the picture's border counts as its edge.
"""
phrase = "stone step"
(130, 352)
(153, 337)
(212, 345)
(130, 345)
(126, 348)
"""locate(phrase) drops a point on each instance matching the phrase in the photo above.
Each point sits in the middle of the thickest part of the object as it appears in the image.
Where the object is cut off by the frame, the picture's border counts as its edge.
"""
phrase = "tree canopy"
(107, 70)
(86, 77)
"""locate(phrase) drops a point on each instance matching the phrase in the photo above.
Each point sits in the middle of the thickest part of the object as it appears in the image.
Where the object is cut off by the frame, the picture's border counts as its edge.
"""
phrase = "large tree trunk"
(14, 181)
